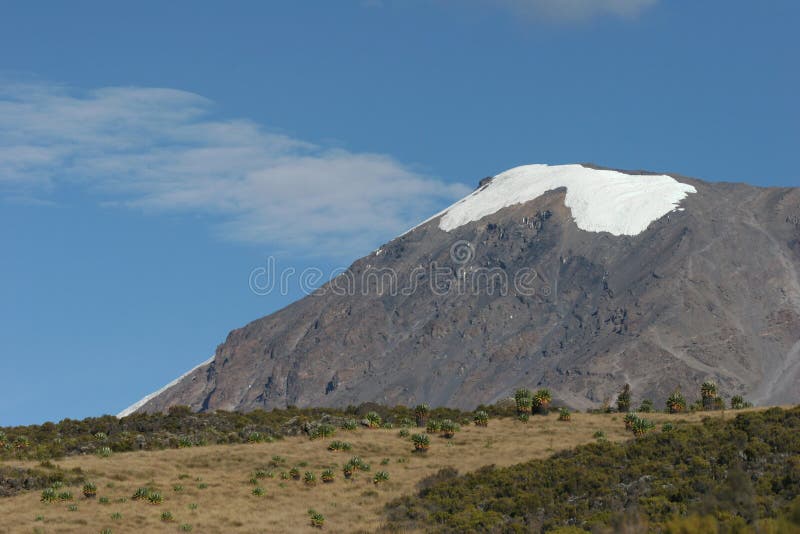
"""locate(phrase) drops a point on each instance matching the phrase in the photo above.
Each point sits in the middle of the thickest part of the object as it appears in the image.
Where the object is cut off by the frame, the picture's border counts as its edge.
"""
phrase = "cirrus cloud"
(163, 149)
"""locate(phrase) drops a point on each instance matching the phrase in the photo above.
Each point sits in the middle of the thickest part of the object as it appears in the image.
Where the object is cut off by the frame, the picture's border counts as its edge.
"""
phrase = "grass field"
(210, 490)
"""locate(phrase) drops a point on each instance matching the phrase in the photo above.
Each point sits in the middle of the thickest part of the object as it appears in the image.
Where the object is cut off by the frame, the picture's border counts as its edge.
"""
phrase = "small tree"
(524, 400)
(421, 413)
(541, 401)
(481, 418)
(737, 402)
(708, 392)
(624, 399)
(676, 402)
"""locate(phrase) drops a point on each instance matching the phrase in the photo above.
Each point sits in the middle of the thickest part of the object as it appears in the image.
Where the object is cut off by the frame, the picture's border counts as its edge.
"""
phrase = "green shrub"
(309, 479)
(433, 426)
(141, 493)
(72, 508)
(186, 527)
(564, 415)
(422, 442)
(373, 420)
(328, 476)
(667, 427)
(339, 446)
(405, 422)
(294, 473)
(354, 464)
(258, 491)
(349, 424)
(104, 452)
(481, 418)
(89, 490)
(65, 496)
(317, 519)
(104, 500)
(642, 426)
(116, 516)
(360, 464)
(404, 433)
(646, 406)
(523, 417)
(449, 428)
(348, 470)
(167, 517)
(48, 495)
(629, 419)
(380, 476)
(322, 431)
(155, 498)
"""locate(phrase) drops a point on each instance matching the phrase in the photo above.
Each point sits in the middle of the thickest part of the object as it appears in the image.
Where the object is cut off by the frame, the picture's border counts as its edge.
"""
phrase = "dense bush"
(738, 471)
(181, 427)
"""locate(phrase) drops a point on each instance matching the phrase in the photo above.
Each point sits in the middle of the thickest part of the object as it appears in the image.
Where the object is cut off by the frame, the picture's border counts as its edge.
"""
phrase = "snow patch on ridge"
(133, 407)
(600, 200)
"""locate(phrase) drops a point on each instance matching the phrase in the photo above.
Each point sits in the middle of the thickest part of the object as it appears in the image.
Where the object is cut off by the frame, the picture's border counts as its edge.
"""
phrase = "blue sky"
(152, 154)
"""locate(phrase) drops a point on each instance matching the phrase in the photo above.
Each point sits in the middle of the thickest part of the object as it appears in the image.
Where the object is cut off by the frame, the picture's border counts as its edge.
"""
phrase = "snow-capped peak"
(600, 200)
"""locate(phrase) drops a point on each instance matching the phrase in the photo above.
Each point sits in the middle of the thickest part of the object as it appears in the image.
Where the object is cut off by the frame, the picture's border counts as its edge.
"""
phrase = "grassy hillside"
(740, 475)
(213, 488)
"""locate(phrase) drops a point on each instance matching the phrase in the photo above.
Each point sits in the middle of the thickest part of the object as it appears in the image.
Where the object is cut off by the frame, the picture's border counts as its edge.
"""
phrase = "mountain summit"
(573, 277)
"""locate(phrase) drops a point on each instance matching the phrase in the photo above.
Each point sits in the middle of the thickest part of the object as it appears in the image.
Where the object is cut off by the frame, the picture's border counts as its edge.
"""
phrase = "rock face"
(523, 296)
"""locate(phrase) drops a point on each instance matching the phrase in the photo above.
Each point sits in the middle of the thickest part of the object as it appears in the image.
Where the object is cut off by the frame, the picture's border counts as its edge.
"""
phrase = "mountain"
(573, 277)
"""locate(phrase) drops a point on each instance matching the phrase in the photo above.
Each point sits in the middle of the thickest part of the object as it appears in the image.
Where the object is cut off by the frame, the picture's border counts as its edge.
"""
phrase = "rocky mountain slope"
(571, 277)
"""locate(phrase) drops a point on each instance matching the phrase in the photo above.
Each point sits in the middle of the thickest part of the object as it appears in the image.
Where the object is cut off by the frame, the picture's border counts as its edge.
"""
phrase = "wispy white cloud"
(163, 149)
(573, 10)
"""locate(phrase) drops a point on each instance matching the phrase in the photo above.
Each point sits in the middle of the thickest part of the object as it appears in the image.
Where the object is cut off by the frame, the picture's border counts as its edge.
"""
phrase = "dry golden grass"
(227, 504)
